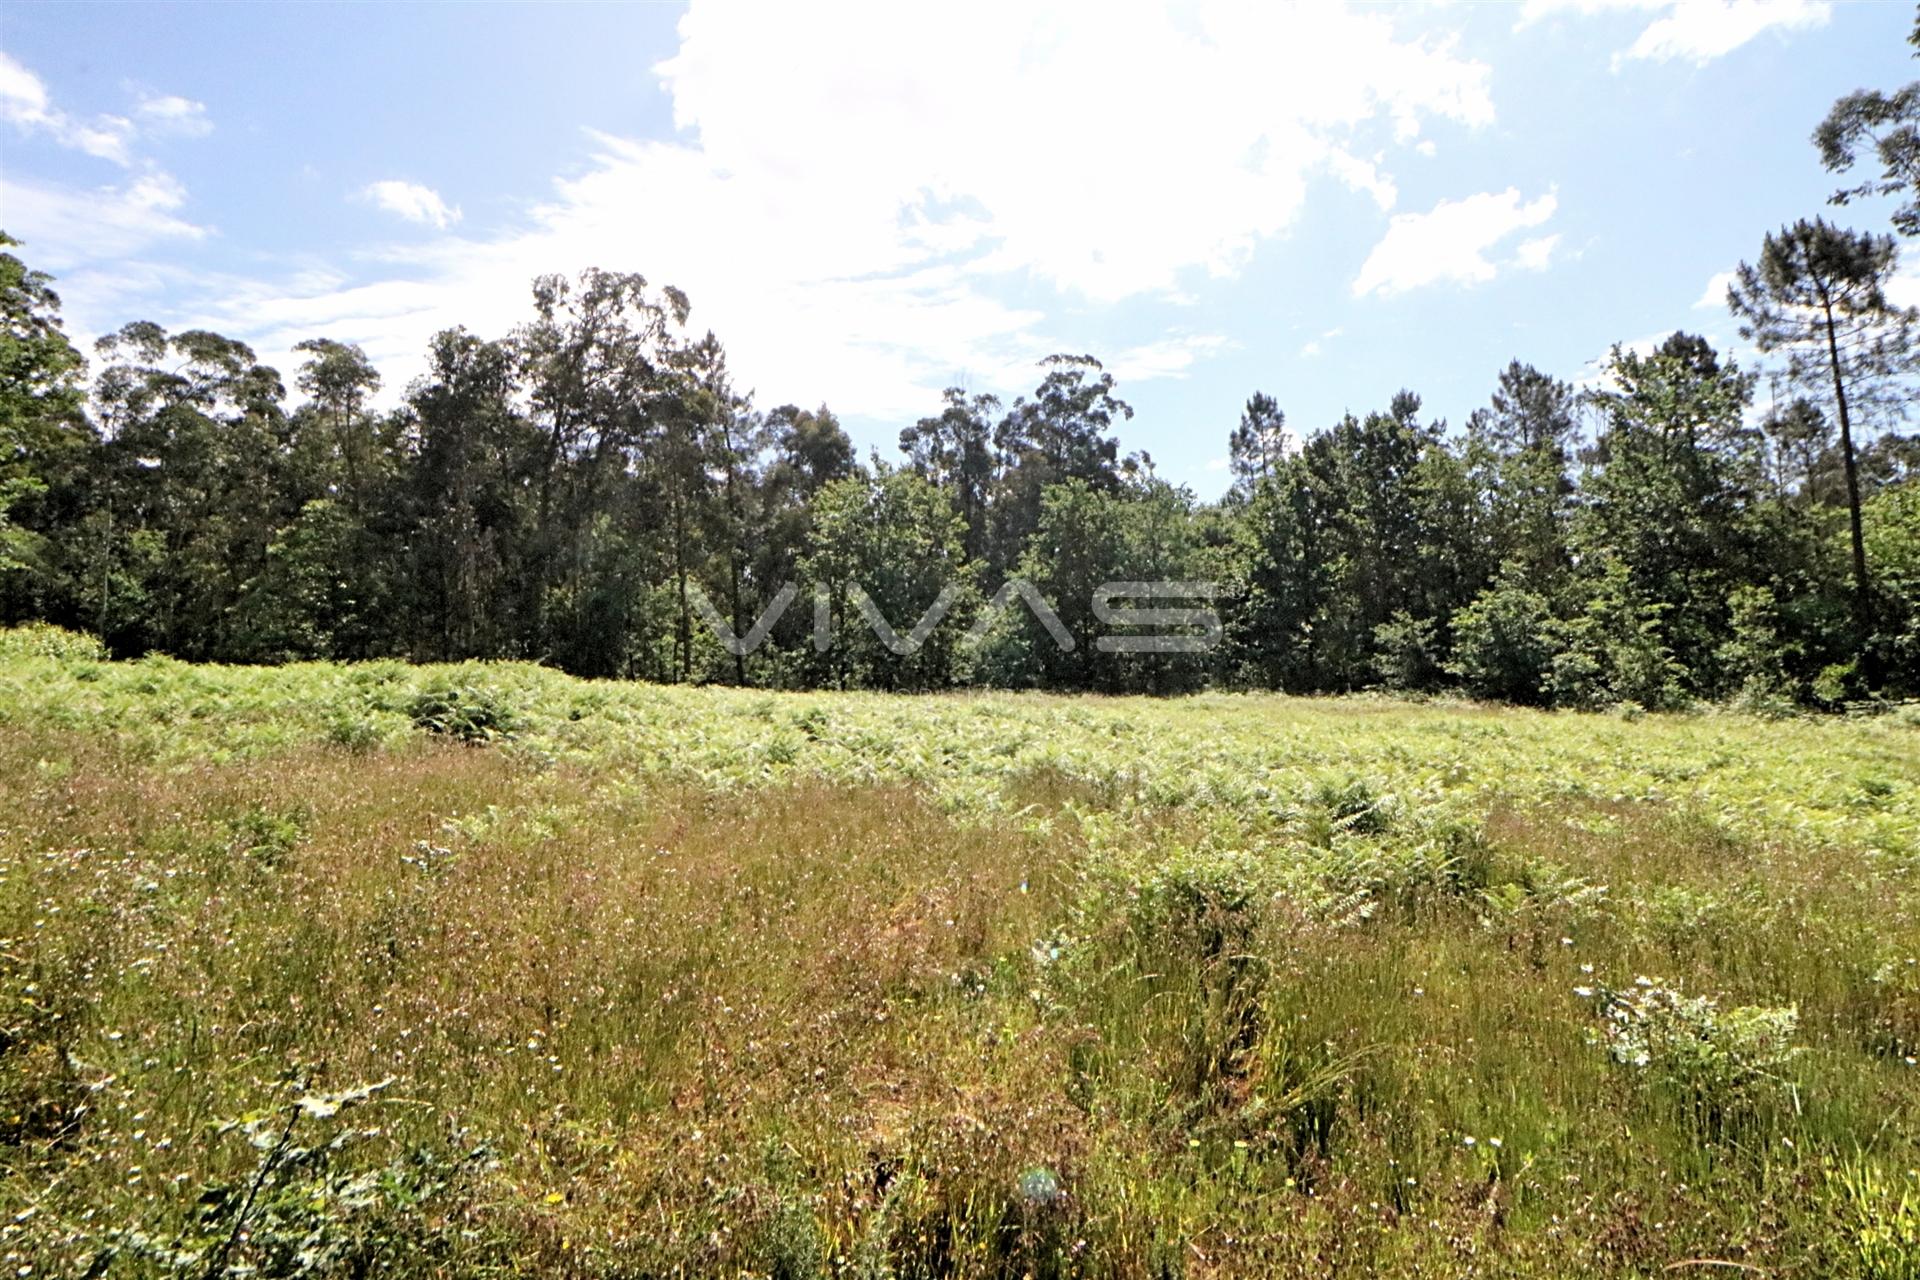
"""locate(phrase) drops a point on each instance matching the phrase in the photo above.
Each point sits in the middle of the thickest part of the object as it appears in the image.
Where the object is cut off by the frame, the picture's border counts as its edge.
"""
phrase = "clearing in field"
(485, 970)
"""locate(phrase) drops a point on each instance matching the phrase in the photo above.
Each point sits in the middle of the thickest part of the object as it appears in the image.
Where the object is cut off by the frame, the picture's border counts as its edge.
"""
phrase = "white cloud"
(1316, 347)
(1702, 30)
(22, 97)
(1021, 122)
(173, 115)
(412, 201)
(1450, 243)
(1904, 289)
(68, 227)
(1536, 254)
(1714, 296)
(1169, 357)
(854, 187)
(26, 104)
(1365, 175)
(1694, 30)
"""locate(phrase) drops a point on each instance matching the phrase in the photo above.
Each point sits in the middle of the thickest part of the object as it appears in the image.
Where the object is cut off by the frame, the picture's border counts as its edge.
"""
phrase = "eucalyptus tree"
(737, 445)
(1059, 433)
(1145, 531)
(340, 382)
(1283, 573)
(890, 580)
(597, 365)
(1368, 478)
(465, 500)
(955, 450)
(191, 487)
(44, 433)
(808, 450)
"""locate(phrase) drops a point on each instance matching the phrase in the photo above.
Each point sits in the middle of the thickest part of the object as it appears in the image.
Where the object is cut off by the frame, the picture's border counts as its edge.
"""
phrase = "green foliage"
(44, 640)
(1720, 1064)
(890, 544)
(1891, 534)
(302, 1209)
(1504, 644)
(1754, 657)
(726, 981)
(1879, 127)
(1837, 684)
(42, 419)
(467, 710)
(1615, 650)
(268, 836)
(593, 492)
(1086, 539)
(1408, 658)
(1881, 1212)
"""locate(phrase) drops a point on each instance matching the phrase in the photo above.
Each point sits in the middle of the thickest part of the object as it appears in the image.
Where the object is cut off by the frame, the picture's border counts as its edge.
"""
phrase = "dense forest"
(591, 491)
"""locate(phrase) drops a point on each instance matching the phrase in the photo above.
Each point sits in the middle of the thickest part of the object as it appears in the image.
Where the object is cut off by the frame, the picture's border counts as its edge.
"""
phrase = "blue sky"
(869, 203)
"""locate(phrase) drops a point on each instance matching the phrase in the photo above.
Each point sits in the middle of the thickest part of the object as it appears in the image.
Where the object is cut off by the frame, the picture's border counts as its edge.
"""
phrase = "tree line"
(591, 490)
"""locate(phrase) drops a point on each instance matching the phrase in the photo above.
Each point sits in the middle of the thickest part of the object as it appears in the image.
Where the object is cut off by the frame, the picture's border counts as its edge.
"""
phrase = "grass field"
(464, 971)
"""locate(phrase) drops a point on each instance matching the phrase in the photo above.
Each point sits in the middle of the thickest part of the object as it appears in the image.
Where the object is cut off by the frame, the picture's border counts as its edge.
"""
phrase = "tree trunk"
(683, 630)
(1863, 595)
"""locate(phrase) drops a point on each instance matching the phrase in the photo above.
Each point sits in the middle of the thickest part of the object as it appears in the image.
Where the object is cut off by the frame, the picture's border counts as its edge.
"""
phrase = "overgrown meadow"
(485, 970)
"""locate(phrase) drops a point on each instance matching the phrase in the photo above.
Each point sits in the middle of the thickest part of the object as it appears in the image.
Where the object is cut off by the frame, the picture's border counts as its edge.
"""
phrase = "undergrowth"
(467, 971)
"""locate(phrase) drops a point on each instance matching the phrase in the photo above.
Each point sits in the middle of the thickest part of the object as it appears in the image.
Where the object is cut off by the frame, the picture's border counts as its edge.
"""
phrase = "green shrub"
(353, 731)
(1351, 805)
(1408, 660)
(1837, 684)
(1504, 645)
(1615, 650)
(1719, 1064)
(268, 836)
(44, 640)
(302, 1209)
(469, 712)
(1202, 901)
(1753, 657)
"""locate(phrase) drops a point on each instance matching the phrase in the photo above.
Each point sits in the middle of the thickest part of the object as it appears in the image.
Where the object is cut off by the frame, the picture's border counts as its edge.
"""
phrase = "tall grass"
(642, 982)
